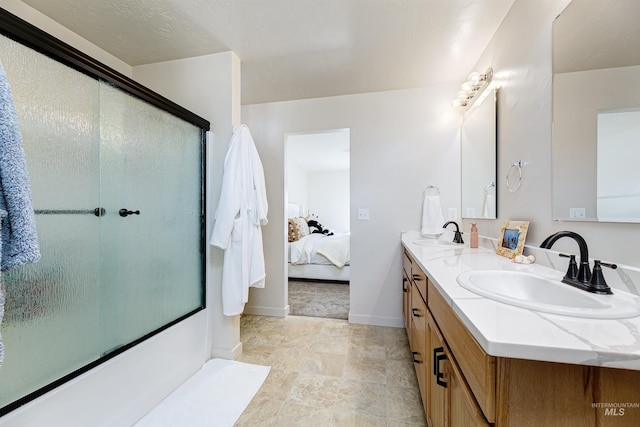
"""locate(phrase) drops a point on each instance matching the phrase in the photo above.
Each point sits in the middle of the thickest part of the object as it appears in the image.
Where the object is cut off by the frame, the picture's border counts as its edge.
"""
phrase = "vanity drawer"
(406, 263)
(420, 279)
(415, 273)
(478, 368)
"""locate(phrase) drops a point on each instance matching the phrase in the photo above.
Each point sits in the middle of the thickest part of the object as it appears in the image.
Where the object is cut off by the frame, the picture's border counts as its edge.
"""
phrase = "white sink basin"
(549, 296)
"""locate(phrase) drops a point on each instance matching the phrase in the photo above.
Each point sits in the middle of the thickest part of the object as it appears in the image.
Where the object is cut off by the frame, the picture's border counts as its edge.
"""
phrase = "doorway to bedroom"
(317, 168)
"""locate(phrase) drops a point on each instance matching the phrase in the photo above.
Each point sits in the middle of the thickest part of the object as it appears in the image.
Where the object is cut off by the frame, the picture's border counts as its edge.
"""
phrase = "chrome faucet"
(457, 237)
(580, 276)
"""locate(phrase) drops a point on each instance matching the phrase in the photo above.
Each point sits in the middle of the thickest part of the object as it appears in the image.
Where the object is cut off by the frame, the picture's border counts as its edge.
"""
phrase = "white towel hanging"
(432, 218)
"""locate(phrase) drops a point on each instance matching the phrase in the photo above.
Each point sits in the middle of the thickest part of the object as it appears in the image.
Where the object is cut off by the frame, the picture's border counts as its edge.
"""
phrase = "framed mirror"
(596, 112)
(478, 158)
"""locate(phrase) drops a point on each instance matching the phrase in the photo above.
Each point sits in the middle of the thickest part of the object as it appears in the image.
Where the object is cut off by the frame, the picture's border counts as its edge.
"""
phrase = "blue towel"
(2, 216)
(1, 315)
(19, 237)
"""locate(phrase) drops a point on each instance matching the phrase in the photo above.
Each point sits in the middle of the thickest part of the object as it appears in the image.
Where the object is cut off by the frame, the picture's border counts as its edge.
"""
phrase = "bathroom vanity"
(480, 362)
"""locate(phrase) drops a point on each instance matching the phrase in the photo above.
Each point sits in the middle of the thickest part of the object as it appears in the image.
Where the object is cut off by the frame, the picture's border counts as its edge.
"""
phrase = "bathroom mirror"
(596, 110)
(478, 158)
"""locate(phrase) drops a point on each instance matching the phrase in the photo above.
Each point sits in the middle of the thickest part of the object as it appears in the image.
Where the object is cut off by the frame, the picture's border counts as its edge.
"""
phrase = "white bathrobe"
(242, 210)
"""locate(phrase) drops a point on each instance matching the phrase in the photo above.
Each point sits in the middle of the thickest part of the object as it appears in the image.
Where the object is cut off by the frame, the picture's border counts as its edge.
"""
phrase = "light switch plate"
(577, 213)
(363, 214)
(453, 214)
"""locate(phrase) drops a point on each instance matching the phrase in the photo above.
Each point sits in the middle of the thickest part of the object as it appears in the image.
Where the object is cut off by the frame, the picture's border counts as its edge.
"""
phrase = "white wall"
(209, 86)
(520, 54)
(400, 142)
(328, 195)
(120, 391)
(297, 183)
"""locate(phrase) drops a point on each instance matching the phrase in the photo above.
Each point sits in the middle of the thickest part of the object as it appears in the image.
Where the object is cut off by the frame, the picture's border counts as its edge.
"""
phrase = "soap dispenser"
(473, 243)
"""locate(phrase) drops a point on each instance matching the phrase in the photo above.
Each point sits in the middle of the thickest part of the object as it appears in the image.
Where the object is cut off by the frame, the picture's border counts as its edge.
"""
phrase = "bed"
(316, 253)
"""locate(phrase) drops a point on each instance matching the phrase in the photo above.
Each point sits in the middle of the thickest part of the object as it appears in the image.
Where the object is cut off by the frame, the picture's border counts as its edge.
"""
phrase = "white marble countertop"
(507, 331)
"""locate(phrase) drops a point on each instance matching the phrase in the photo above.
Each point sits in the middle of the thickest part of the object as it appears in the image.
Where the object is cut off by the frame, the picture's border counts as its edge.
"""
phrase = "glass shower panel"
(151, 269)
(52, 312)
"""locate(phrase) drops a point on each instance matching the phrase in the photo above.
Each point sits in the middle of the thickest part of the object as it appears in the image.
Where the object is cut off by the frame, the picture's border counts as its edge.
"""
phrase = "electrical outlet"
(363, 214)
(453, 214)
(471, 212)
(577, 213)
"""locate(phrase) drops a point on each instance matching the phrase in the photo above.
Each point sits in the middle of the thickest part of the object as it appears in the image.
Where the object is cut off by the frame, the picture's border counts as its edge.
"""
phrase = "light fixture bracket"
(471, 89)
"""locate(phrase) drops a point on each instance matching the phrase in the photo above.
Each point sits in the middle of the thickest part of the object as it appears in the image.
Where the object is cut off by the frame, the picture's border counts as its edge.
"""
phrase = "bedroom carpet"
(319, 299)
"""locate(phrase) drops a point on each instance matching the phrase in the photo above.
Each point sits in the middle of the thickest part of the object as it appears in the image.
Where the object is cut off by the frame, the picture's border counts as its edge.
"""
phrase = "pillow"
(298, 228)
(293, 230)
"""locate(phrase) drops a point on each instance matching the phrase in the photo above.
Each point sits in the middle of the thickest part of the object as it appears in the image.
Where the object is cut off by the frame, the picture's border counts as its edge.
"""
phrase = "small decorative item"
(512, 236)
(521, 259)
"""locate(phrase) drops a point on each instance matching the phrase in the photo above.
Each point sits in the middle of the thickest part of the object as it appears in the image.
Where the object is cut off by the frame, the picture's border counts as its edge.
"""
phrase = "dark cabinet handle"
(124, 212)
(404, 285)
(413, 355)
(413, 311)
(417, 277)
(437, 358)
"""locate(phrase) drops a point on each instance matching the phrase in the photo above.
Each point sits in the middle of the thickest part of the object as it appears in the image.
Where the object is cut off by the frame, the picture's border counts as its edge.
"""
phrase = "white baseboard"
(222, 353)
(394, 322)
(267, 311)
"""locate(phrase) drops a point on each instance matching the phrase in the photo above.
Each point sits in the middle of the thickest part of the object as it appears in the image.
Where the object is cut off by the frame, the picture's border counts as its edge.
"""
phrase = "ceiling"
(319, 151)
(296, 49)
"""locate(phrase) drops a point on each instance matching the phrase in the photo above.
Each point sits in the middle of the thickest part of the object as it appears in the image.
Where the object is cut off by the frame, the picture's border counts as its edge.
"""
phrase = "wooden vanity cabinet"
(442, 386)
(462, 386)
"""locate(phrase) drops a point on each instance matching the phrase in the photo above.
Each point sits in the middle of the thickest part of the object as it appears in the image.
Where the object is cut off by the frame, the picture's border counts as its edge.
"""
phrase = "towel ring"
(518, 167)
(431, 190)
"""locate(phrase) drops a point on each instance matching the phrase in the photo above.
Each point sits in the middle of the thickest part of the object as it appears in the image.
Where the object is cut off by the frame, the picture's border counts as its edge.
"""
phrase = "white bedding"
(319, 272)
(310, 249)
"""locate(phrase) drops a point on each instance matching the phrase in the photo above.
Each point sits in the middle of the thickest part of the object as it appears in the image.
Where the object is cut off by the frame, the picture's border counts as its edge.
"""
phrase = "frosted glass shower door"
(118, 196)
(52, 306)
(151, 264)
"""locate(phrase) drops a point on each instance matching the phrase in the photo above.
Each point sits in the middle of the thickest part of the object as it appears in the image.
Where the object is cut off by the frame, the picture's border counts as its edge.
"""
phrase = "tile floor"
(327, 372)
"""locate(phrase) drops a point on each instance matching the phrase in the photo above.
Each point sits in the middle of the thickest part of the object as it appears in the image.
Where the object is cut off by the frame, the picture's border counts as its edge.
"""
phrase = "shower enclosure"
(117, 184)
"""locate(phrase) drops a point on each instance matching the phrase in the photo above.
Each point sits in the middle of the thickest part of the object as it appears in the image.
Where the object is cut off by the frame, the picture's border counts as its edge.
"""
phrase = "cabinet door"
(477, 367)
(406, 303)
(463, 409)
(437, 374)
(419, 341)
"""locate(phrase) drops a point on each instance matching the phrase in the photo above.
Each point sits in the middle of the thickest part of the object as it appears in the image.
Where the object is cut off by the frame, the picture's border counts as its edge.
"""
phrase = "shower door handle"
(124, 212)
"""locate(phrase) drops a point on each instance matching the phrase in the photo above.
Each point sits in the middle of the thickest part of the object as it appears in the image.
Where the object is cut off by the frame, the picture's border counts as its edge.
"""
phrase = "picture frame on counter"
(512, 237)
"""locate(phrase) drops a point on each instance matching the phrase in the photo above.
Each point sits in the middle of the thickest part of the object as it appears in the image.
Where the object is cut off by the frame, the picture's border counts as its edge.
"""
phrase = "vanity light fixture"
(471, 89)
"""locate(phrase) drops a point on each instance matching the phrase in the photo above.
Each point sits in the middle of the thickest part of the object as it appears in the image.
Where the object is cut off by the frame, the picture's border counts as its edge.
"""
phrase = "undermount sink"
(435, 242)
(539, 293)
